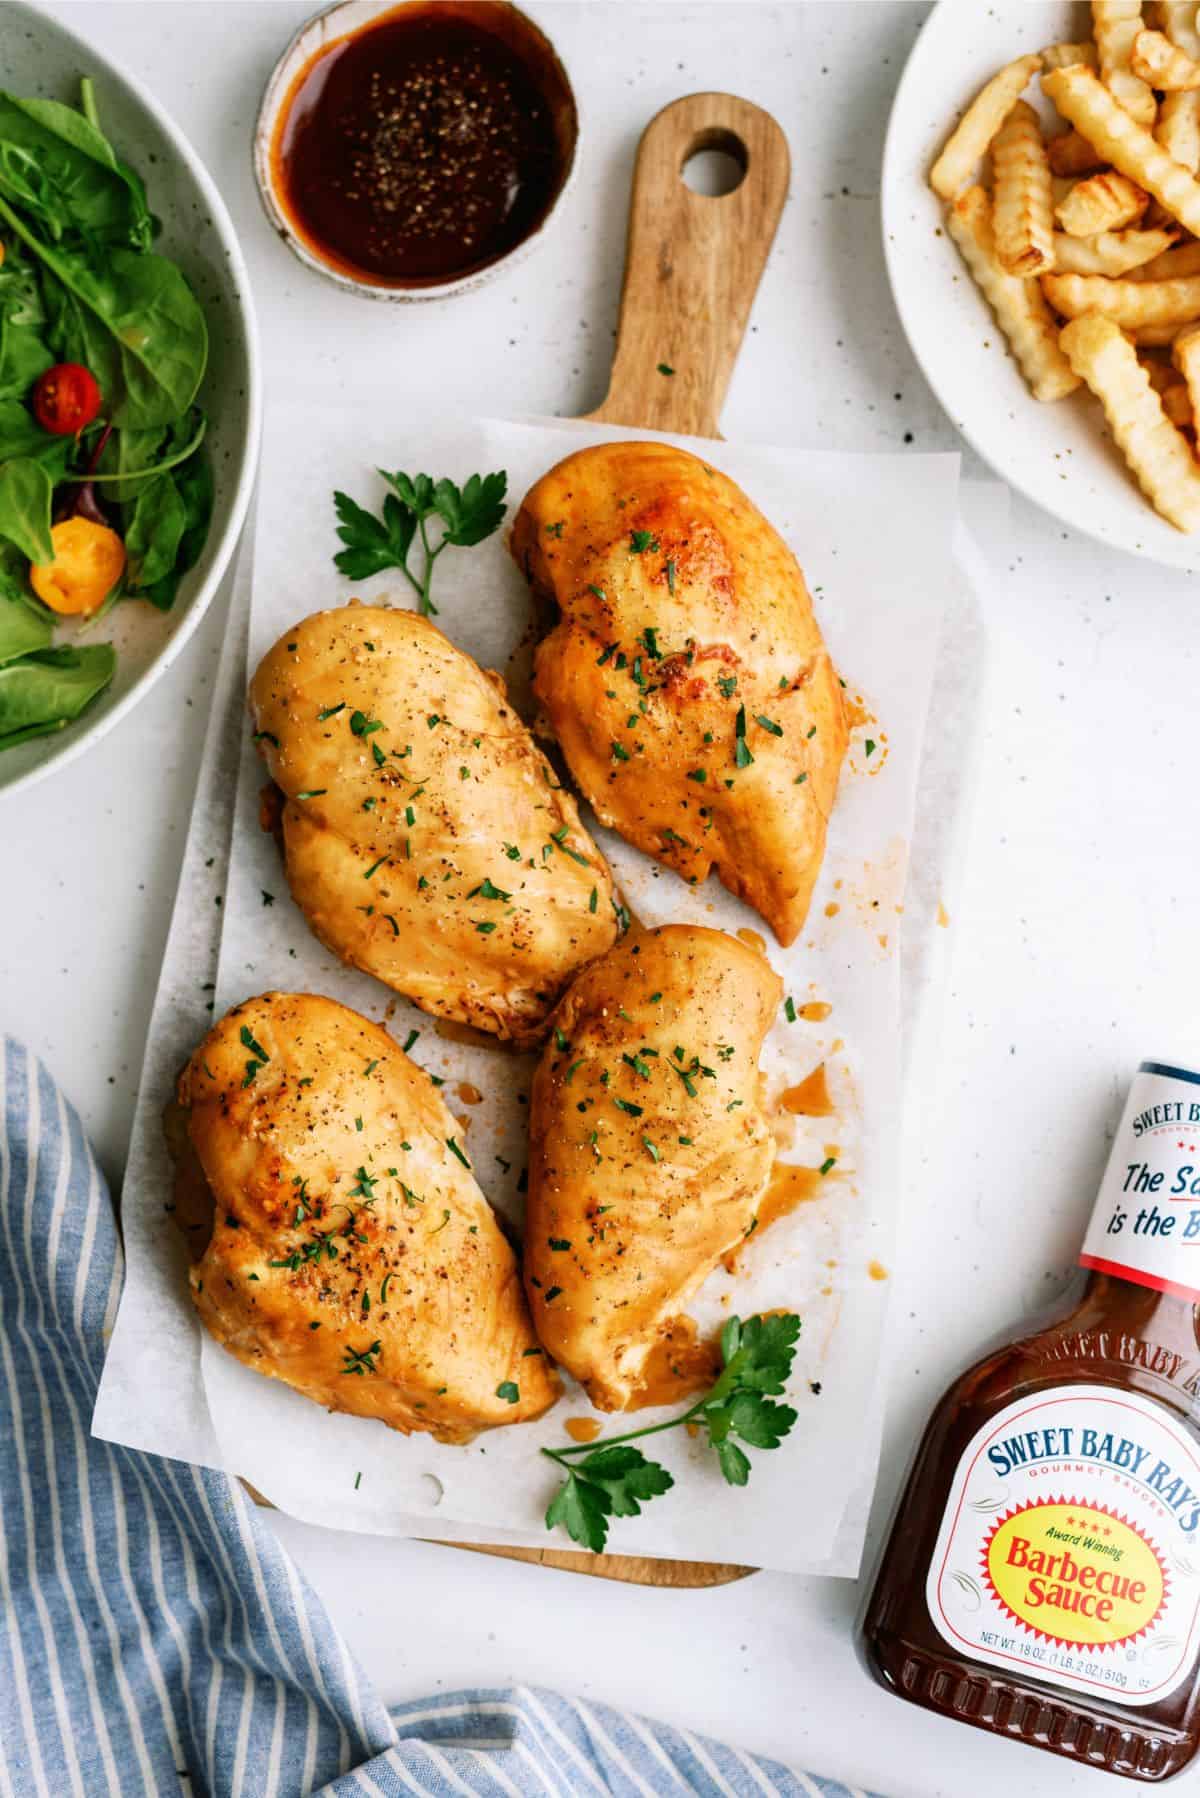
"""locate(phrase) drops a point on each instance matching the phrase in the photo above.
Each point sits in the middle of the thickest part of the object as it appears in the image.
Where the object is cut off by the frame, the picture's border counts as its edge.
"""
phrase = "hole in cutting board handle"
(715, 163)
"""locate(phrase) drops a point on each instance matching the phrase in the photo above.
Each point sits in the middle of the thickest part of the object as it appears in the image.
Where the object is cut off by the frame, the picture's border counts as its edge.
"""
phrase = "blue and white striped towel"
(156, 1638)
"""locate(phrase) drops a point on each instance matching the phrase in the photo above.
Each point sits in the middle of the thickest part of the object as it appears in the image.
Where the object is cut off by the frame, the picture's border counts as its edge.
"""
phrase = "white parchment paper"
(875, 537)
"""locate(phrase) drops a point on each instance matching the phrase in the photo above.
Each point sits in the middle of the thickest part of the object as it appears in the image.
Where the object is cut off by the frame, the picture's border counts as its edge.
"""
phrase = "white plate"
(1058, 455)
(42, 57)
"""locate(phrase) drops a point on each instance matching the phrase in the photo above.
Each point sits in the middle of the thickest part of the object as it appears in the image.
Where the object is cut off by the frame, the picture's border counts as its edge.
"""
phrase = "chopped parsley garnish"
(508, 1391)
(613, 1479)
(331, 711)
(606, 654)
(485, 890)
(260, 1056)
(664, 368)
(827, 1164)
(592, 901)
(619, 753)
(561, 1040)
(650, 1149)
(512, 852)
(635, 1111)
(789, 1009)
(559, 839)
(374, 867)
(650, 639)
(361, 1361)
(266, 736)
(700, 775)
(313, 793)
(741, 754)
(727, 684)
(410, 1039)
(362, 726)
(870, 746)
(452, 1145)
(559, 1243)
(768, 724)
(640, 541)
(601, 595)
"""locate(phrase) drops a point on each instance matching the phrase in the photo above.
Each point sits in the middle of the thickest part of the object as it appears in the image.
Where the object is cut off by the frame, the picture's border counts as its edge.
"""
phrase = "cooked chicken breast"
(427, 839)
(686, 680)
(649, 1152)
(352, 1255)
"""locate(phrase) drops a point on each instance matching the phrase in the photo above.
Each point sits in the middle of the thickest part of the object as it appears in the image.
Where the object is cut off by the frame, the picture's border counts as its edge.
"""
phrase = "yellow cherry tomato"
(89, 560)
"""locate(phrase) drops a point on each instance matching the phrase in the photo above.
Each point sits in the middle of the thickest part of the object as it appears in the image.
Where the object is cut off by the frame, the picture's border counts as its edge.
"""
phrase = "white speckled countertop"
(1074, 945)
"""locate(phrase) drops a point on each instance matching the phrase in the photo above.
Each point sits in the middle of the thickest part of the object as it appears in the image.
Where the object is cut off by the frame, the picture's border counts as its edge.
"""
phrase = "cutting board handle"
(693, 263)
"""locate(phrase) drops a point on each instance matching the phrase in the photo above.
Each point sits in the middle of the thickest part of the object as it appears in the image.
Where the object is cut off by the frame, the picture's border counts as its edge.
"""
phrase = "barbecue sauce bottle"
(1042, 1578)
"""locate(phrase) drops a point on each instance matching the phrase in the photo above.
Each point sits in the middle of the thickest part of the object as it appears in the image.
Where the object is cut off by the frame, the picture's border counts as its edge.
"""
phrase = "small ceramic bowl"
(345, 20)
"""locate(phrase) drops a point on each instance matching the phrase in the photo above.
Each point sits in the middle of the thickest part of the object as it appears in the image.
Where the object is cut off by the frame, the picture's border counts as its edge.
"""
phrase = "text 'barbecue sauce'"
(426, 145)
(1042, 1579)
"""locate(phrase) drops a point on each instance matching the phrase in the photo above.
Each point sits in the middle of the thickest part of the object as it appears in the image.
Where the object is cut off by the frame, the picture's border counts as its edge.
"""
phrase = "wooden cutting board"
(692, 267)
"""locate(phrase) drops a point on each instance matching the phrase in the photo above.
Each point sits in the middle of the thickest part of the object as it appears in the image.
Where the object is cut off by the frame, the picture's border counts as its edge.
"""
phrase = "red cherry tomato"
(66, 399)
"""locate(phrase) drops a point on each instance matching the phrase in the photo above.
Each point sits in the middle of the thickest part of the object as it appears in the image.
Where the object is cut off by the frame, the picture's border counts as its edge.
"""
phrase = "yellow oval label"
(1077, 1574)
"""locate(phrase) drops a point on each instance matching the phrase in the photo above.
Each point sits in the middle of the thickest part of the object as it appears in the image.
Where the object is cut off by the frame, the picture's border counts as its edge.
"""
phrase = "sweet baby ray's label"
(1146, 1222)
(1070, 1544)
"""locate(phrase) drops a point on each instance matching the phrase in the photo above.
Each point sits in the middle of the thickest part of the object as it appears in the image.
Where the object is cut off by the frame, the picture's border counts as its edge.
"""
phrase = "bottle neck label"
(1068, 1548)
(1146, 1223)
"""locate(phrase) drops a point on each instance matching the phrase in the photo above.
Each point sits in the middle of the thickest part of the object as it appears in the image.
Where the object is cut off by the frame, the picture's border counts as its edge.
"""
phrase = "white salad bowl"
(42, 58)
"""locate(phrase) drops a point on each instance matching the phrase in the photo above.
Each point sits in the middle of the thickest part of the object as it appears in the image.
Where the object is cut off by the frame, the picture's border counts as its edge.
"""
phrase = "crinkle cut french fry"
(1185, 353)
(1128, 303)
(1020, 309)
(1157, 453)
(1063, 56)
(1104, 202)
(1022, 202)
(1071, 154)
(1153, 337)
(1177, 405)
(1160, 375)
(1088, 104)
(1172, 265)
(1112, 253)
(1115, 24)
(979, 125)
(1178, 128)
(1160, 64)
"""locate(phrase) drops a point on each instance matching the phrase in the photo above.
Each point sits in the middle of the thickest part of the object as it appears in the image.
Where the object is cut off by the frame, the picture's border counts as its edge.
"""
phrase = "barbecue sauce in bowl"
(425, 146)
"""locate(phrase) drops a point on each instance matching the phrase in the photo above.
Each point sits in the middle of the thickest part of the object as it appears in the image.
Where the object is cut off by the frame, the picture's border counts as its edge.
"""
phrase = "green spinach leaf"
(62, 170)
(23, 357)
(21, 435)
(25, 493)
(155, 531)
(47, 690)
(132, 458)
(194, 482)
(132, 319)
(22, 630)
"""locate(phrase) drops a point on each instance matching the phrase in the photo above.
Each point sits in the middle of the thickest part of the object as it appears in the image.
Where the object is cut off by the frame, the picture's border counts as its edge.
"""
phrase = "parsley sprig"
(611, 1479)
(465, 514)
